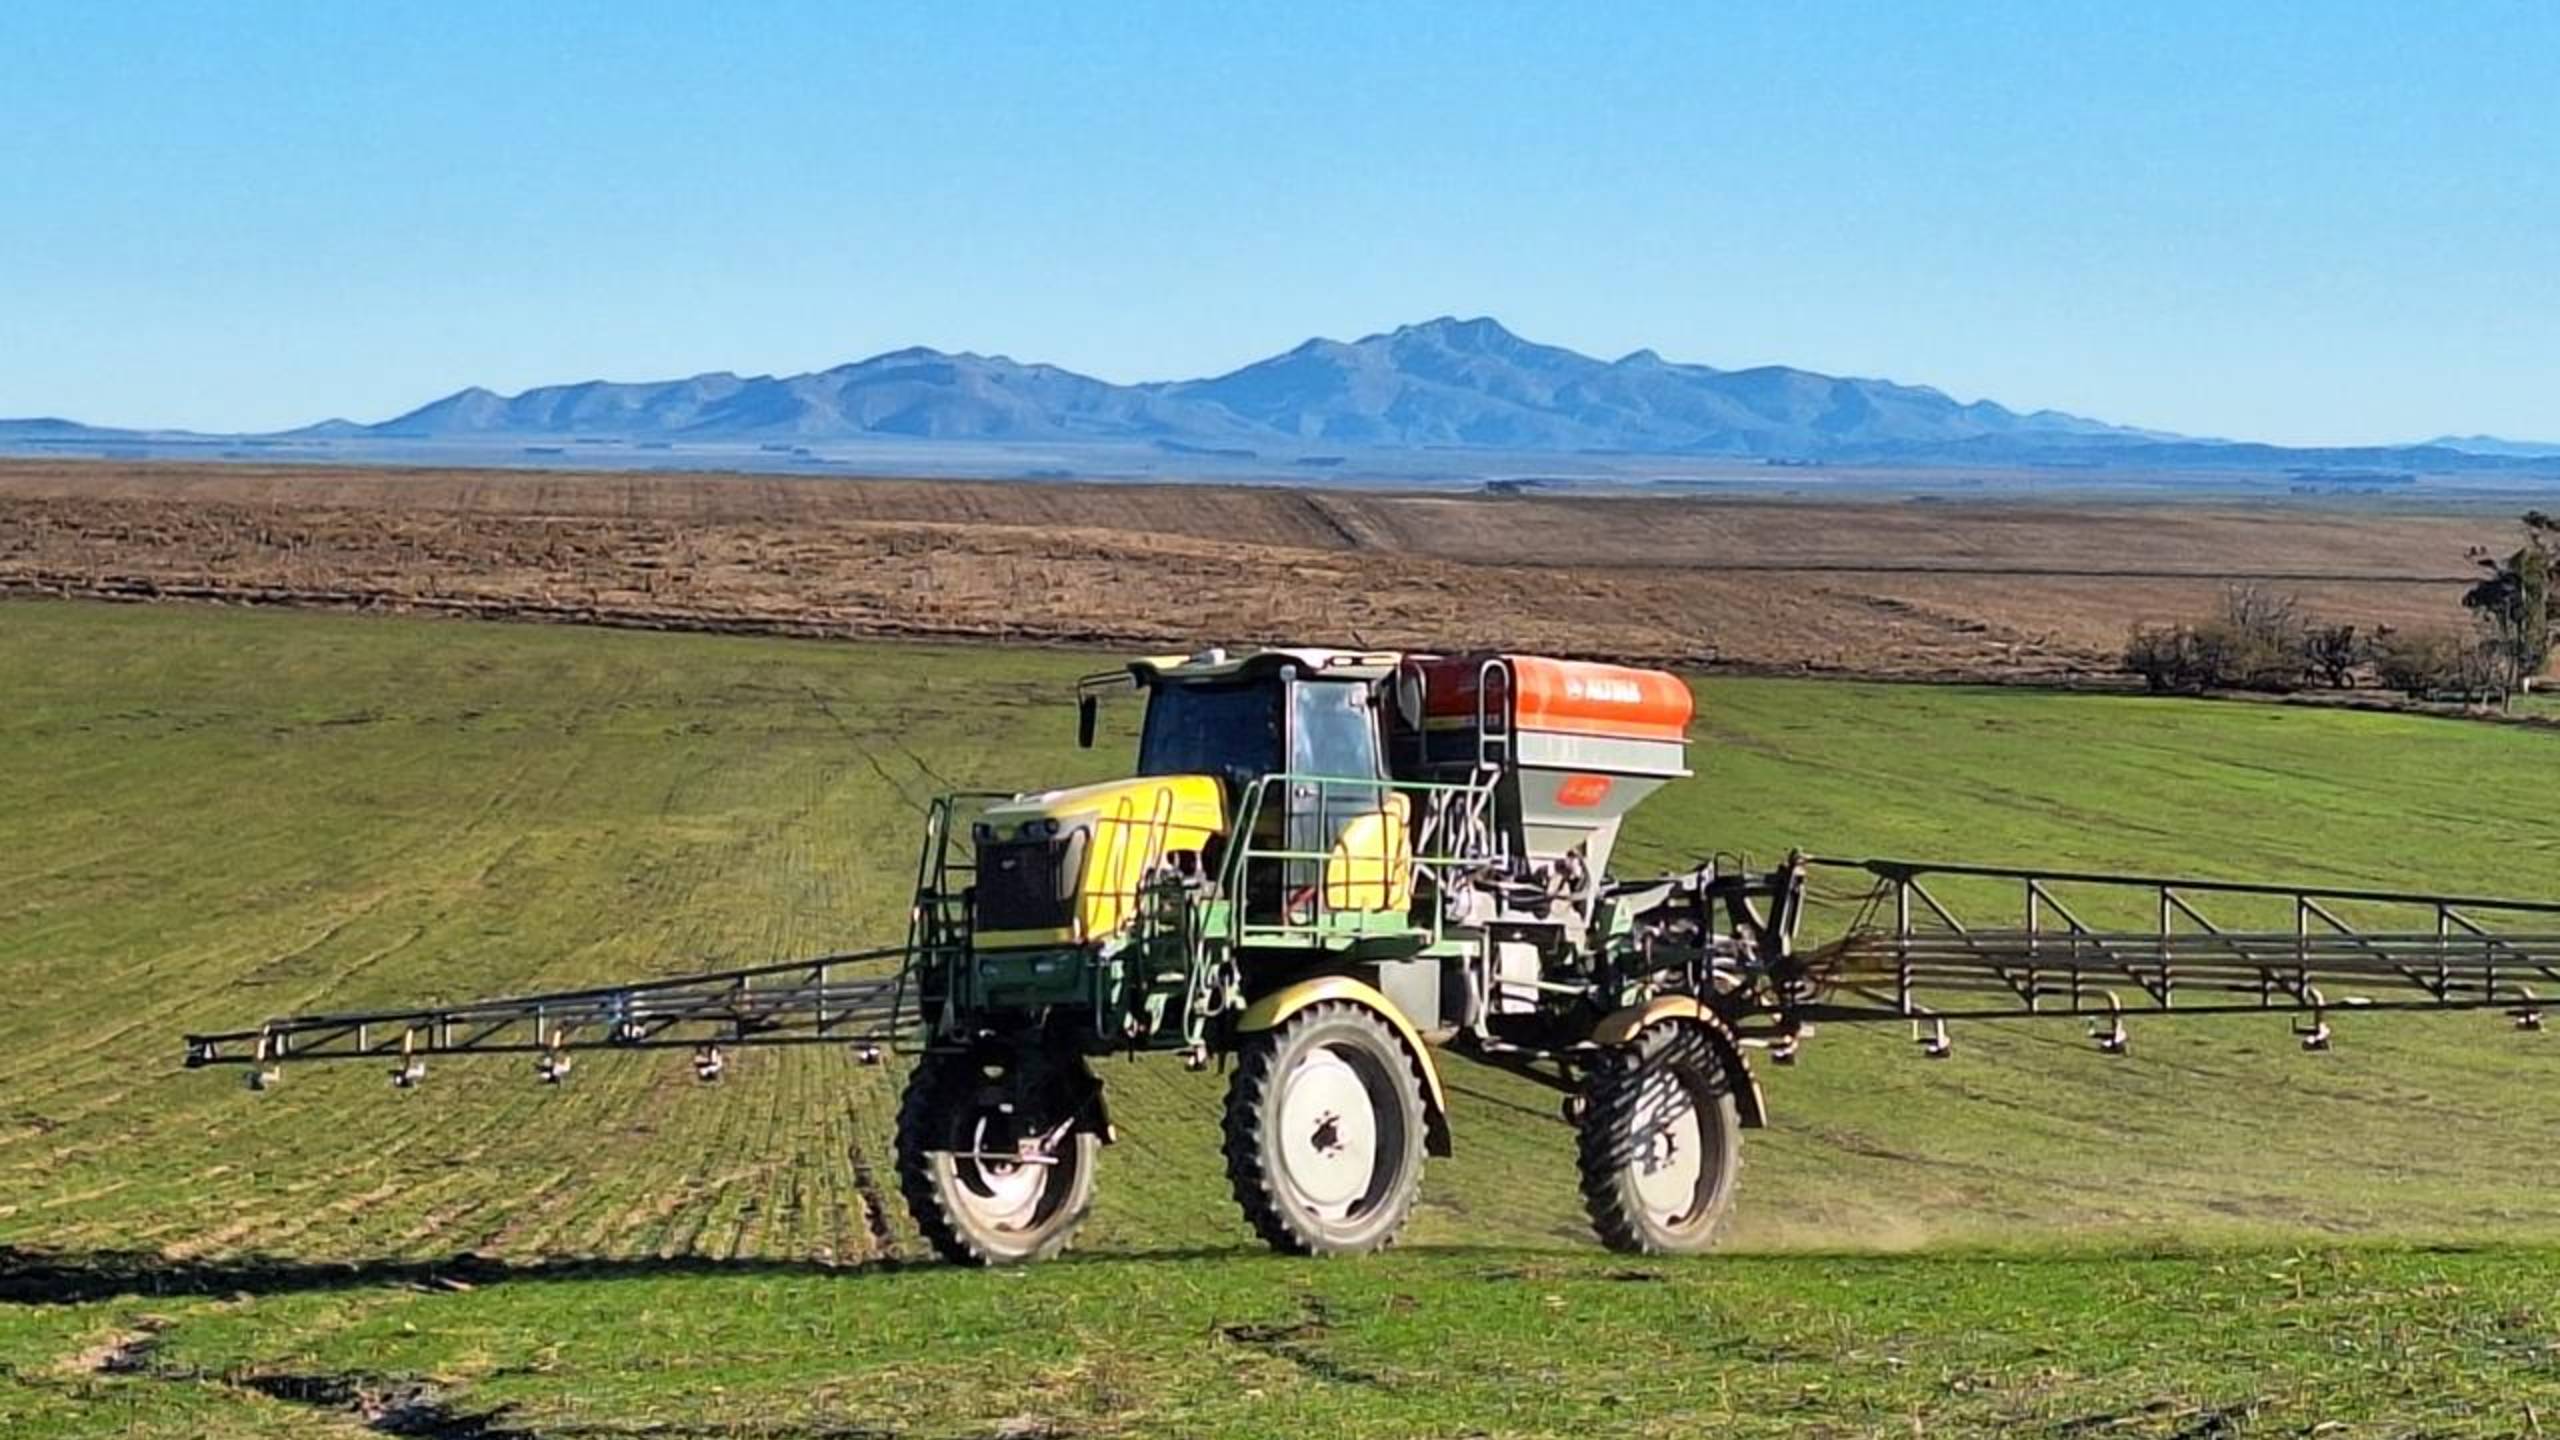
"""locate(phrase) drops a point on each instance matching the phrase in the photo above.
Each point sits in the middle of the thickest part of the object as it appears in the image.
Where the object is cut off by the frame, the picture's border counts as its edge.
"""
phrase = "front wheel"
(992, 1159)
(1324, 1132)
(1660, 1141)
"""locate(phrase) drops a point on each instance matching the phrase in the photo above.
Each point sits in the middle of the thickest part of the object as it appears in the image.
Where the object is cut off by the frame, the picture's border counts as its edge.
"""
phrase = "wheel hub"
(1669, 1147)
(1328, 1128)
(1002, 1191)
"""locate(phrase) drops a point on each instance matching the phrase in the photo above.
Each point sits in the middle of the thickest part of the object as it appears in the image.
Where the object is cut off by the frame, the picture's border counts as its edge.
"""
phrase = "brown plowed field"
(1990, 590)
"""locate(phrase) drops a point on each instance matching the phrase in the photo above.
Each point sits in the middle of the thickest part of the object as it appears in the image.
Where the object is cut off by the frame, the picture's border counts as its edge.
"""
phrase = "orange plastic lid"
(1576, 697)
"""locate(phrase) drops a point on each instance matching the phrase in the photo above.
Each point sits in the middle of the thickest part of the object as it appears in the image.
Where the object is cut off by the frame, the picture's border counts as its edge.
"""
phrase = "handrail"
(1237, 870)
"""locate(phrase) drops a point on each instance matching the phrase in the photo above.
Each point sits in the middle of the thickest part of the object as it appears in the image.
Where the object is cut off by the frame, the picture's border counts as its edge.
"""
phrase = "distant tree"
(2258, 610)
(2335, 653)
(2257, 642)
(2513, 601)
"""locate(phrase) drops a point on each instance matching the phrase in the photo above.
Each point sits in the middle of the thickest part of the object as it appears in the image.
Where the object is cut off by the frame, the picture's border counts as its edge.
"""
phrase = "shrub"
(2422, 663)
(2257, 640)
(2163, 655)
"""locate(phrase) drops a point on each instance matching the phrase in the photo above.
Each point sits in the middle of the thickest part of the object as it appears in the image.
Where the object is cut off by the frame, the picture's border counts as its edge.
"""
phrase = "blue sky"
(2303, 222)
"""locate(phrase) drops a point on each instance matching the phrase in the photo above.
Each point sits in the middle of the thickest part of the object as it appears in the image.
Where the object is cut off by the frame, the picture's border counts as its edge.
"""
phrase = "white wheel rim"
(1328, 1127)
(1003, 1194)
(1670, 1149)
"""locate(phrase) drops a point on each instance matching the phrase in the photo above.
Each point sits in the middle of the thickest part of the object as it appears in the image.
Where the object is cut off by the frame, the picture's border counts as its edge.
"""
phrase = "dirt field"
(1989, 590)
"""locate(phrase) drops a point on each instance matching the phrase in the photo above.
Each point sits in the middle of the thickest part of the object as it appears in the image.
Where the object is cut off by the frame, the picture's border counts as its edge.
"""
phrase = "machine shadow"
(73, 1277)
(40, 1277)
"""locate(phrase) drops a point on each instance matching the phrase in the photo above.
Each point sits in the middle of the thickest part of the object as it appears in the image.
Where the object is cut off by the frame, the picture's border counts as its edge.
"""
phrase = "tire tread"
(1249, 1095)
(932, 1091)
(1610, 1092)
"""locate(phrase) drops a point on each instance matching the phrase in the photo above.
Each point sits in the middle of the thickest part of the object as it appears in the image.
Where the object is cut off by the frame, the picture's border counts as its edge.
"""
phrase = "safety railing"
(1429, 836)
(939, 925)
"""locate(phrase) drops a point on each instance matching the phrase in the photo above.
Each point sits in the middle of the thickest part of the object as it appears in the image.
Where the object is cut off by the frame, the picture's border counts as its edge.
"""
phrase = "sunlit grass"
(210, 816)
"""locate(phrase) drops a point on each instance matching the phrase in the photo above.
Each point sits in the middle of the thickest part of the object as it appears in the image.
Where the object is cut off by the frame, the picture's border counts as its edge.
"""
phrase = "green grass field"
(208, 816)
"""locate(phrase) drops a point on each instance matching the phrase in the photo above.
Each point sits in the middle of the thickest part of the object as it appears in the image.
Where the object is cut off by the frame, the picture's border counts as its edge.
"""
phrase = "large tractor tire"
(993, 1165)
(1660, 1141)
(1325, 1132)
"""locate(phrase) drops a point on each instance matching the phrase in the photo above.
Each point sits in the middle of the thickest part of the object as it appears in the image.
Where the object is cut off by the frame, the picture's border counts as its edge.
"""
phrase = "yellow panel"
(1138, 826)
(1056, 938)
(1372, 864)
(1131, 826)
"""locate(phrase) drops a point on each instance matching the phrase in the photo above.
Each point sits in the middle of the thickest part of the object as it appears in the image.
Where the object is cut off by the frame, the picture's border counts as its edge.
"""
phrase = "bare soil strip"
(2018, 591)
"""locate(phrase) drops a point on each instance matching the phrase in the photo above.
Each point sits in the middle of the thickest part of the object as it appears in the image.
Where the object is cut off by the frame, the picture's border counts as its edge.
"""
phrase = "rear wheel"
(1324, 1132)
(990, 1161)
(1660, 1142)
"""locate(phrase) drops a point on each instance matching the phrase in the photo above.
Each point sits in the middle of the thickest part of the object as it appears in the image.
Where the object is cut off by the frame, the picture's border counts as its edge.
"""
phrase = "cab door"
(1340, 806)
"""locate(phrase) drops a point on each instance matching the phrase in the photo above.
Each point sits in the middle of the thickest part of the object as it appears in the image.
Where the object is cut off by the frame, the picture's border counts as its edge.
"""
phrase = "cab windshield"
(1230, 731)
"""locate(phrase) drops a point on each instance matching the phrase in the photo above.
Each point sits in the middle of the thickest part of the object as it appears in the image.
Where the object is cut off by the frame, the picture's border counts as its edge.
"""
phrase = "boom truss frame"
(1910, 956)
(795, 1002)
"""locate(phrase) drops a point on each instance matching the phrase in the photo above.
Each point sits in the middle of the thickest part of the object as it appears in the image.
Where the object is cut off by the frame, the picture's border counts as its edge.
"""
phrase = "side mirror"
(1409, 697)
(1087, 707)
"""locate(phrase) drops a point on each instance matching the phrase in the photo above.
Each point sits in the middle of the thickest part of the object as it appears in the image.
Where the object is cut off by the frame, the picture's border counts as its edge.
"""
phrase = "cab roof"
(1218, 664)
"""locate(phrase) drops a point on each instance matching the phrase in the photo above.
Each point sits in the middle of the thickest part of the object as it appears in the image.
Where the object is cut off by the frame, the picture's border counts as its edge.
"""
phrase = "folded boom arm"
(2298, 948)
(831, 999)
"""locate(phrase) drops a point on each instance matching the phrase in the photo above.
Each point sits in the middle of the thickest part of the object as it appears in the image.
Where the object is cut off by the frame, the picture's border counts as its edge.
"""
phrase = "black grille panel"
(1022, 885)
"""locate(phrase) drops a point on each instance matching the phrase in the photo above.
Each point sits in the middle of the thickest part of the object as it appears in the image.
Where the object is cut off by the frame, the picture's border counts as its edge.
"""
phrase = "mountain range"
(2495, 445)
(1445, 384)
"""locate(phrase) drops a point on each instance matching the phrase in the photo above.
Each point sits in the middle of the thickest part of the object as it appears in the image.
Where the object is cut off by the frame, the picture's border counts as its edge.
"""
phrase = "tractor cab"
(1305, 789)
(1294, 740)
(1274, 712)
